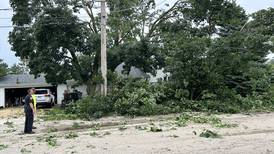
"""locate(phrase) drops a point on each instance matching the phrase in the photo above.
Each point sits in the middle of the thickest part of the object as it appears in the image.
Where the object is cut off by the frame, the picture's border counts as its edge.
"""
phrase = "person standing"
(29, 109)
(34, 99)
(34, 104)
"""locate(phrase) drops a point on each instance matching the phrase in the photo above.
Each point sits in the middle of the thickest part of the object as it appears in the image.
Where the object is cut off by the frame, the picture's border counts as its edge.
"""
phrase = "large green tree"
(212, 47)
(57, 42)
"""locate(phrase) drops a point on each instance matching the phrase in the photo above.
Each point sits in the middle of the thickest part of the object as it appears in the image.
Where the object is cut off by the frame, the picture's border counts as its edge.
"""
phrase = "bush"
(138, 97)
(91, 107)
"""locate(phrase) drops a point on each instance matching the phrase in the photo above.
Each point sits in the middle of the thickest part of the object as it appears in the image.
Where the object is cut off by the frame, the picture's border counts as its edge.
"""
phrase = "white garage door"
(2, 97)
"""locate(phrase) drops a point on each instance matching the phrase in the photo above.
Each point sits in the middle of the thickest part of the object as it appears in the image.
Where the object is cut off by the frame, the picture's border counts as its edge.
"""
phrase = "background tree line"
(19, 68)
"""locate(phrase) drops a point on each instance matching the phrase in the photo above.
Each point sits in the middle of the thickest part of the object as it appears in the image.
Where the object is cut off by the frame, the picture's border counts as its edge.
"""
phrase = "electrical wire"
(10, 9)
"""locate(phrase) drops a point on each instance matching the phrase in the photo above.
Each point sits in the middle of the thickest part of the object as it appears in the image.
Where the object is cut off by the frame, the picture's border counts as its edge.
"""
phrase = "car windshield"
(41, 92)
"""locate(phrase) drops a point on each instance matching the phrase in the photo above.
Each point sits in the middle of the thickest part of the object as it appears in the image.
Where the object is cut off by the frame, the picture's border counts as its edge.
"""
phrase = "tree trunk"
(91, 88)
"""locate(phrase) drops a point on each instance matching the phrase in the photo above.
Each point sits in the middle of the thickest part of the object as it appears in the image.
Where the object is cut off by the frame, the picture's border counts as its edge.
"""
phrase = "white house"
(14, 87)
(137, 73)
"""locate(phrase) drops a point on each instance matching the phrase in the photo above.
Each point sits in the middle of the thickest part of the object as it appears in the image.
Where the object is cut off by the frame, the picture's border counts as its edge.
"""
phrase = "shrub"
(91, 107)
(139, 97)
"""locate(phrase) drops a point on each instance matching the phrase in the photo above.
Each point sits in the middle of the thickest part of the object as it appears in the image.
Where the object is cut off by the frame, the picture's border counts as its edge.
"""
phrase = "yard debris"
(156, 129)
(9, 124)
(173, 136)
(122, 128)
(25, 151)
(51, 130)
(91, 146)
(3, 146)
(51, 140)
(106, 133)
(71, 135)
(214, 121)
(93, 133)
(76, 125)
(10, 130)
(141, 127)
(209, 134)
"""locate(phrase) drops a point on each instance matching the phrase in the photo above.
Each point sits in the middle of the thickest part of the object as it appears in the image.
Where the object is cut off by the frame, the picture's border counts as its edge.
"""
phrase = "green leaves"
(3, 68)
(3, 146)
(51, 140)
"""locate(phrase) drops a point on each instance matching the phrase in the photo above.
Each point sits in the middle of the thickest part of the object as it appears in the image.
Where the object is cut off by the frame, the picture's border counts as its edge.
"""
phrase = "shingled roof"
(22, 80)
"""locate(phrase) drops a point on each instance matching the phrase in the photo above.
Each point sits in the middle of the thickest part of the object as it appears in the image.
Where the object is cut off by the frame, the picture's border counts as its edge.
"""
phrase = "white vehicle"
(44, 97)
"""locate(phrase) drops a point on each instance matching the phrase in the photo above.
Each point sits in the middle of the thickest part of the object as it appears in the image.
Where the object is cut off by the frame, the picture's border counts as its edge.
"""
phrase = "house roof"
(134, 72)
(22, 80)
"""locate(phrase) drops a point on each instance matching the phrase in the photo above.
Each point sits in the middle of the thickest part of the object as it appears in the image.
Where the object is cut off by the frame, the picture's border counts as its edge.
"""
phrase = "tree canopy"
(55, 40)
(209, 46)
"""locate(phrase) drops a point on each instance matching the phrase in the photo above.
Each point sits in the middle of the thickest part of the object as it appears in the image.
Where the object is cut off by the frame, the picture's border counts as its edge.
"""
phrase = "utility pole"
(103, 47)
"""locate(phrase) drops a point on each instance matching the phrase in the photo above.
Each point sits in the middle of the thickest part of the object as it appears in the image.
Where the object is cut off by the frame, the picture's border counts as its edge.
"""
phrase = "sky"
(5, 20)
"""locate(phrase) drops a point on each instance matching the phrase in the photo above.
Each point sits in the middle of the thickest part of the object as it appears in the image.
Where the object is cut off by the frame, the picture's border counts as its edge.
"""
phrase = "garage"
(13, 88)
(14, 96)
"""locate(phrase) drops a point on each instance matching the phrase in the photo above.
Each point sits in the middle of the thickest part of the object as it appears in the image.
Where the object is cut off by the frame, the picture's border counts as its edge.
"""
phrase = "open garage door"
(15, 96)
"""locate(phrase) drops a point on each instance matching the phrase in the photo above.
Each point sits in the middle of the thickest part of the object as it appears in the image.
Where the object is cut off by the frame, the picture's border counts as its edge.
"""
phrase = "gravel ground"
(254, 134)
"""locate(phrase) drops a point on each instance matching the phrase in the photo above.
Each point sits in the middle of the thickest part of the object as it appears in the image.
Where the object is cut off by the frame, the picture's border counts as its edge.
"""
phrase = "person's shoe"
(29, 132)
(34, 127)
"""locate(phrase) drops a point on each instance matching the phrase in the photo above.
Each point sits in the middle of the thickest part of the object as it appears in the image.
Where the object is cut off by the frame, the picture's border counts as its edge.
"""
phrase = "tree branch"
(88, 9)
(161, 19)
(77, 65)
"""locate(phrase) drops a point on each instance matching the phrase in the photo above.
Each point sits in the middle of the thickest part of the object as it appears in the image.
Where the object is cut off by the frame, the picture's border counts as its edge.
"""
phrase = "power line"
(46, 24)
(80, 17)
(6, 26)
(6, 9)
(136, 7)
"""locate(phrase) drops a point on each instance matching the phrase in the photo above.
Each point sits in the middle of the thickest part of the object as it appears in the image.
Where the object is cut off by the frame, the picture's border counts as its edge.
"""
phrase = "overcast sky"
(8, 56)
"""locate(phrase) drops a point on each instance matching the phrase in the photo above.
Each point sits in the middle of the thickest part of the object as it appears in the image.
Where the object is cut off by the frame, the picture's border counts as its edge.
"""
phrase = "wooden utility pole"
(103, 47)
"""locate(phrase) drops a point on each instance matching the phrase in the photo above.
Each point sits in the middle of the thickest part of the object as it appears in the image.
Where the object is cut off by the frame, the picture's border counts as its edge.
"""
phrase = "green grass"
(57, 114)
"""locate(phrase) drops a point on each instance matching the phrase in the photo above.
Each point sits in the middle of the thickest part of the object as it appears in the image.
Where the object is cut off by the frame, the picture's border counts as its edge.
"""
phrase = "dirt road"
(254, 134)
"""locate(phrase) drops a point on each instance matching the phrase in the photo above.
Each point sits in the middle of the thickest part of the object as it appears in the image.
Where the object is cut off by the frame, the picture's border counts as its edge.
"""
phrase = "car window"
(41, 92)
